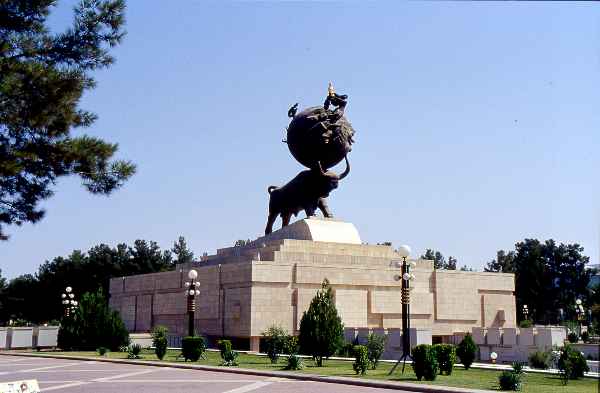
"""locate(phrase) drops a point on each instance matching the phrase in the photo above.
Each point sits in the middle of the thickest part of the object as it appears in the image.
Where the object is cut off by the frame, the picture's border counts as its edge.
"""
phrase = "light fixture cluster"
(68, 301)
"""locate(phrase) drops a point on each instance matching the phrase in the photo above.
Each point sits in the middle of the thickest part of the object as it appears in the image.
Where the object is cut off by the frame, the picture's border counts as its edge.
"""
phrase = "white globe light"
(68, 289)
(406, 276)
(65, 301)
(75, 302)
(187, 284)
(191, 292)
(197, 292)
(192, 274)
(493, 356)
(197, 284)
(64, 295)
(578, 301)
(71, 295)
(404, 251)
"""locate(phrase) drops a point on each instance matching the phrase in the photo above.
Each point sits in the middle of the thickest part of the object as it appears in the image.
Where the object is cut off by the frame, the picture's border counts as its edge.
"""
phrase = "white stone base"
(316, 229)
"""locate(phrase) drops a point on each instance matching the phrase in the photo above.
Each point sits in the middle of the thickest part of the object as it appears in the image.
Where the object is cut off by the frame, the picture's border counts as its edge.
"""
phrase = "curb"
(406, 386)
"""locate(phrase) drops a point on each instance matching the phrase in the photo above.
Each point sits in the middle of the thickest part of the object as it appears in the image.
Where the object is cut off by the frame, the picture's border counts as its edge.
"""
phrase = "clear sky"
(478, 124)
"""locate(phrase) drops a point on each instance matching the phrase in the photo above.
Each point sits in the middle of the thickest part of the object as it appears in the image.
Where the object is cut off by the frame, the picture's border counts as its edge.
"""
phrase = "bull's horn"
(345, 173)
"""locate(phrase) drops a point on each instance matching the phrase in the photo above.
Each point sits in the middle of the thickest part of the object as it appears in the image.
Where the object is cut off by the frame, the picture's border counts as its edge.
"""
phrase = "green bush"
(290, 346)
(294, 362)
(361, 359)
(466, 351)
(228, 355)
(159, 341)
(511, 380)
(193, 348)
(526, 323)
(446, 357)
(92, 325)
(275, 339)
(571, 364)
(321, 328)
(375, 348)
(425, 363)
(573, 337)
(345, 350)
(102, 351)
(134, 351)
(585, 336)
(540, 360)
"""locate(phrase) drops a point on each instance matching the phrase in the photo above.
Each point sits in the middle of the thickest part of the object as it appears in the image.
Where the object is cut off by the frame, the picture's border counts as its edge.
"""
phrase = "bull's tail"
(270, 189)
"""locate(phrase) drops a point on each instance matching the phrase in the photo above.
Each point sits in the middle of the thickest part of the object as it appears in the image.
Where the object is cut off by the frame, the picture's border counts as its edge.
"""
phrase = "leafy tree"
(182, 252)
(94, 325)
(85, 272)
(548, 277)
(42, 78)
(375, 348)
(321, 328)
(466, 351)
(276, 338)
(504, 262)
(439, 261)
(465, 268)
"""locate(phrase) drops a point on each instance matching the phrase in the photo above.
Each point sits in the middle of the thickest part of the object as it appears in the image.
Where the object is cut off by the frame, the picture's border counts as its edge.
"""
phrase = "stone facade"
(244, 290)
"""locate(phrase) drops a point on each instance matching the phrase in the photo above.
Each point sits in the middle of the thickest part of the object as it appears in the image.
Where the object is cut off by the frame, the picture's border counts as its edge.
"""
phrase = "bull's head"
(331, 179)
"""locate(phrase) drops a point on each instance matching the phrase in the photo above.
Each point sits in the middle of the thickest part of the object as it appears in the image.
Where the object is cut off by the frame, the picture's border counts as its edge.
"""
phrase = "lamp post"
(192, 290)
(525, 311)
(580, 313)
(405, 278)
(68, 301)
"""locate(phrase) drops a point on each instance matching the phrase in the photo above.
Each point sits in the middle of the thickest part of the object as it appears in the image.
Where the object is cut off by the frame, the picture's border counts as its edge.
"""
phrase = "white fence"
(28, 337)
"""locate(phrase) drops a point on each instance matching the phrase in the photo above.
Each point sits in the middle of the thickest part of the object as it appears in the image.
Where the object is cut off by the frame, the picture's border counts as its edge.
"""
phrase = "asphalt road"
(73, 376)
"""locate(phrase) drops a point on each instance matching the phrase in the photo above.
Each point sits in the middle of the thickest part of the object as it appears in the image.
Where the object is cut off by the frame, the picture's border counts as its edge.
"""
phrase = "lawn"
(473, 378)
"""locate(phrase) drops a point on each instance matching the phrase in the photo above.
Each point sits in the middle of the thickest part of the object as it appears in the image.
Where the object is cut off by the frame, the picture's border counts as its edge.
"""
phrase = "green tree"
(467, 351)
(504, 262)
(439, 261)
(85, 272)
(548, 277)
(465, 268)
(3, 318)
(182, 252)
(321, 328)
(43, 76)
(94, 325)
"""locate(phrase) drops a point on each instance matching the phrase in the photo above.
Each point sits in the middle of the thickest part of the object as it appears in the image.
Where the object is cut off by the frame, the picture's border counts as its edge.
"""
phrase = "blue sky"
(477, 124)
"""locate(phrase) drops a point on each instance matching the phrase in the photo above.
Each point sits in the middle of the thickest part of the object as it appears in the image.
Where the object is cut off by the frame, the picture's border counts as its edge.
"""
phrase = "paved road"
(73, 376)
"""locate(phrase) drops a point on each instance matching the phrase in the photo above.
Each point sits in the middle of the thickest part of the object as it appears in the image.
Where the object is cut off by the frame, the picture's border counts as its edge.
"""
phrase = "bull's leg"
(310, 211)
(285, 218)
(270, 222)
(324, 207)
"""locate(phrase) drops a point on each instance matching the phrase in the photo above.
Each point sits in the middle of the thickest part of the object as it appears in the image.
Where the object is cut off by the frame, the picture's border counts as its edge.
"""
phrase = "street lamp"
(580, 313)
(192, 290)
(525, 311)
(405, 278)
(68, 301)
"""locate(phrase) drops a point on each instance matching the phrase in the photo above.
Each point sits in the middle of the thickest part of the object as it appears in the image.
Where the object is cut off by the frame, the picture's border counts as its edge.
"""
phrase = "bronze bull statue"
(307, 191)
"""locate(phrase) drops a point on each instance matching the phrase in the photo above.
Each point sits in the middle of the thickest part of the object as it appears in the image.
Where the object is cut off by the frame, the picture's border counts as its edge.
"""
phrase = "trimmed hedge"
(425, 363)
(159, 340)
(228, 355)
(193, 347)
(446, 357)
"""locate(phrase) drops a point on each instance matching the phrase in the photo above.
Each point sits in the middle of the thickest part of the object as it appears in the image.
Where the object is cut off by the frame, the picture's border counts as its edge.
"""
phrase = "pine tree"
(182, 252)
(321, 328)
(42, 78)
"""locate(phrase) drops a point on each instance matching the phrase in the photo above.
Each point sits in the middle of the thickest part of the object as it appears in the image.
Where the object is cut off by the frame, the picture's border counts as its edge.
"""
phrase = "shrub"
(573, 337)
(539, 360)
(346, 350)
(361, 359)
(134, 351)
(321, 328)
(228, 355)
(102, 351)
(294, 362)
(446, 357)
(275, 337)
(585, 336)
(571, 364)
(375, 348)
(193, 348)
(466, 351)
(526, 323)
(290, 345)
(93, 325)
(511, 380)
(424, 362)
(159, 340)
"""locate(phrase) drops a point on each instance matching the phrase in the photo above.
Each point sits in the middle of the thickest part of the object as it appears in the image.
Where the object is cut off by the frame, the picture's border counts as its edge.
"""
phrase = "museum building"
(246, 289)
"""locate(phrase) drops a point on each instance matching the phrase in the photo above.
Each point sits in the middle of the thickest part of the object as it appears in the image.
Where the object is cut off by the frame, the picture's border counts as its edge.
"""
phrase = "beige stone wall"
(245, 290)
